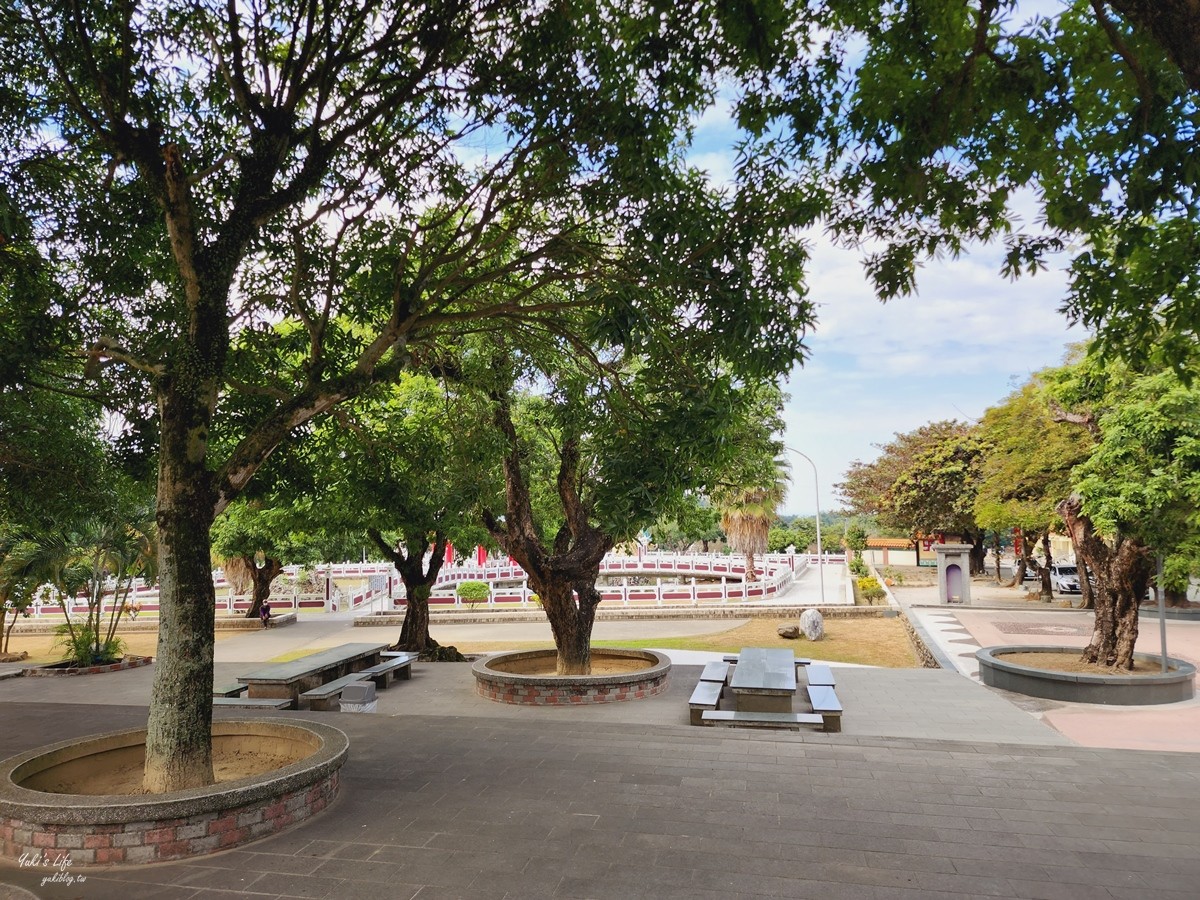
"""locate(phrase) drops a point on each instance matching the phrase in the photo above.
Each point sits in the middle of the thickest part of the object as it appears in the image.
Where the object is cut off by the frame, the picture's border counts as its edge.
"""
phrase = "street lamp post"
(817, 500)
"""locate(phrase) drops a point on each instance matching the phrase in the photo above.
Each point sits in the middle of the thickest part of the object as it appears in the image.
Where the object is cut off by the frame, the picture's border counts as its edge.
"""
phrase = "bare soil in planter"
(601, 665)
(121, 771)
(1072, 664)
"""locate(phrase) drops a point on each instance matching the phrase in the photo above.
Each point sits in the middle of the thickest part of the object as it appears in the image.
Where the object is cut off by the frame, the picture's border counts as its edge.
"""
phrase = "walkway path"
(996, 617)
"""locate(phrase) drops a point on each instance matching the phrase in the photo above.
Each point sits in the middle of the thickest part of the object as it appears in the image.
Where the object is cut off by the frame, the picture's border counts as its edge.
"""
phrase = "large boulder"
(789, 632)
(812, 624)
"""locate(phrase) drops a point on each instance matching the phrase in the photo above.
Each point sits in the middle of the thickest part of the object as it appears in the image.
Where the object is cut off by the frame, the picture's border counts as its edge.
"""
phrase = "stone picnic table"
(764, 680)
(290, 679)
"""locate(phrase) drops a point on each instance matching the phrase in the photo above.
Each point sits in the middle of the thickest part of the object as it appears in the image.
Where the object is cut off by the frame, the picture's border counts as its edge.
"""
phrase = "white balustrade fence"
(382, 587)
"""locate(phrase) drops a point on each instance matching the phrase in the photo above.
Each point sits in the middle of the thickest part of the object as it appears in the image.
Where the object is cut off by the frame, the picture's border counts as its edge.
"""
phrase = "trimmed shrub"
(871, 590)
(472, 592)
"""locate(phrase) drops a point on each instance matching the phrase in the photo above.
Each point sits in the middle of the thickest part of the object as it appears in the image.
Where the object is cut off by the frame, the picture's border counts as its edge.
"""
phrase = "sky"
(962, 343)
(965, 341)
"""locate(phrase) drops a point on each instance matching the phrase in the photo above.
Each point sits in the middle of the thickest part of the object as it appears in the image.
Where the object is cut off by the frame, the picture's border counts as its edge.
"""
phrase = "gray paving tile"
(528, 806)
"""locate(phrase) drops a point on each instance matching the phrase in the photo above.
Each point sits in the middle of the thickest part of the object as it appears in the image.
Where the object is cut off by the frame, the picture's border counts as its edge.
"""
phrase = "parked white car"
(1065, 579)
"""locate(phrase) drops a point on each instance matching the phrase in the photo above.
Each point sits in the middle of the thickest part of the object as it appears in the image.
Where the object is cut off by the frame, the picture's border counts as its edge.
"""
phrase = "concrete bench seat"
(825, 702)
(738, 719)
(821, 675)
(395, 666)
(253, 702)
(732, 658)
(706, 696)
(328, 695)
(715, 671)
(229, 690)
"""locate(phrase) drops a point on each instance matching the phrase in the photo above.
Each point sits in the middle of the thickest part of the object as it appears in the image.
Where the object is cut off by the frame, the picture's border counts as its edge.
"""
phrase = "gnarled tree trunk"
(567, 570)
(1122, 569)
(260, 581)
(977, 559)
(1047, 593)
(1172, 597)
(409, 559)
(1085, 584)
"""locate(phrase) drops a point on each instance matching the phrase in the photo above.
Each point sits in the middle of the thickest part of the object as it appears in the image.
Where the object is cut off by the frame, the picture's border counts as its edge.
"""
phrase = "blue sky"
(961, 344)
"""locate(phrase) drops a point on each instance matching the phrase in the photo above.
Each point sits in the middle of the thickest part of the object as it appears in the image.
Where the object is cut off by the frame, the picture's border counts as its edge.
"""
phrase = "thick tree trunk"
(1174, 598)
(571, 566)
(751, 575)
(978, 556)
(409, 559)
(1085, 584)
(1122, 570)
(996, 555)
(178, 737)
(414, 633)
(1047, 595)
(261, 581)
(1085, 575)
(572, 631)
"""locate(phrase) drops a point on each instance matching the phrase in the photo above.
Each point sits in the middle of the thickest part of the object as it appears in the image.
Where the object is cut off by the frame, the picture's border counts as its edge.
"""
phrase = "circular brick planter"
(1113, 690)
(58, 669)
(107, 829)
(569, 690)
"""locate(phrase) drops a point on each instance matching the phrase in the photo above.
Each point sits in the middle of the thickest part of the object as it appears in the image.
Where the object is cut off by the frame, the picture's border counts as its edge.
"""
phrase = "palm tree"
(96, 556)
(16, 591)
(747, 512)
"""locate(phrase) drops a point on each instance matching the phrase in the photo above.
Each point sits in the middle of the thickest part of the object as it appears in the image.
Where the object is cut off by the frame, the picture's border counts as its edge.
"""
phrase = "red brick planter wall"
(552, 696)
(47, 828)
(495, 684)
(157, 841)
(129, 662)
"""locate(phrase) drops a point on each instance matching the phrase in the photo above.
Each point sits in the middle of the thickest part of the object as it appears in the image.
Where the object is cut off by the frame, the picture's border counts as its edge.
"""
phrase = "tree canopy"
(378, 178)
(923, 126)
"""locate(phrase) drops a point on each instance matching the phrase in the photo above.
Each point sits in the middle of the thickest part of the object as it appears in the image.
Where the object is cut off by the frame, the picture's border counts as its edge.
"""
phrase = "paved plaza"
(937, 788)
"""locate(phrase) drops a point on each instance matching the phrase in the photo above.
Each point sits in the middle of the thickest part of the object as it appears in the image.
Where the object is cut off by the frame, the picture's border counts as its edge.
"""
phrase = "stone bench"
(706, 696)
(715, 671)
(821, 675)
(732, 659)
(253, 702)
(229, 690)
(328, 696)
(825, 702)
(393, 666)
(739, 719)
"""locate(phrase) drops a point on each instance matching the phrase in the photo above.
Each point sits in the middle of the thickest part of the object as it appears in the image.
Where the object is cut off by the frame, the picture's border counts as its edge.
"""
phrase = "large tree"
(936, 493)
(411, 465)
(377, 174)
(748, 509)
(866, 484)
(1137, 491)
(587, 464)
(1026, 473)
(923, 482)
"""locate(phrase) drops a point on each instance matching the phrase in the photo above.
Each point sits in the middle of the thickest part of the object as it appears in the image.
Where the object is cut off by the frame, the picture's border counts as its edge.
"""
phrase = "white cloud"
(949, 352)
